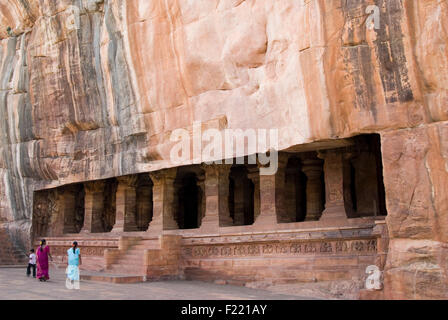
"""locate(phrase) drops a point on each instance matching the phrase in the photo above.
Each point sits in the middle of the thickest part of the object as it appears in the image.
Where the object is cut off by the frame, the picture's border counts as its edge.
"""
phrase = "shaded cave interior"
(92, 206)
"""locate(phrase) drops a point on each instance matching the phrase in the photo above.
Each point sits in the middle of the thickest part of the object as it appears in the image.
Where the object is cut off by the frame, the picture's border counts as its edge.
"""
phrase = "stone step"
(131, 258)
(123, 270)
(146, 247)
(110, 278)
(8, 262)
(132, 240)
(125, 267)
(134, 252)
(12, 258)
(150, 241)
(127, 264)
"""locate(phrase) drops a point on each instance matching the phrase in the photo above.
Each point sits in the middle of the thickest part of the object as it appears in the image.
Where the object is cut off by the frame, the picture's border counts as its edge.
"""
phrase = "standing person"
(43, 253)
(74, 261)
(31, 264)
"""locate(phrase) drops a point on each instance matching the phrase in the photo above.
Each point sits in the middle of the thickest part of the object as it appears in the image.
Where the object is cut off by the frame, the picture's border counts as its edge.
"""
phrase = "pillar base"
(210, 225)
(226, 222)
(313, 217)
(266, 222)
(334, 213)
(156, 229)
(118, 228)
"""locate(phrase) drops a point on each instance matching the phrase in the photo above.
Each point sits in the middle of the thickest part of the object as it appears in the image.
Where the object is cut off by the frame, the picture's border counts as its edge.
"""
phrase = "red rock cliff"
(93, 91)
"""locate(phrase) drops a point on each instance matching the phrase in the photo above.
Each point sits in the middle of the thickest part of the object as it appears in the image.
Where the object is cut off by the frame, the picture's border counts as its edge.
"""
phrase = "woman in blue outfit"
(74, 261)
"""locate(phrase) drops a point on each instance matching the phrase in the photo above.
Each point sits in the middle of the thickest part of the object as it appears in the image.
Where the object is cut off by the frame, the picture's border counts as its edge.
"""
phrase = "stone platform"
(318, 253)
(312, 255)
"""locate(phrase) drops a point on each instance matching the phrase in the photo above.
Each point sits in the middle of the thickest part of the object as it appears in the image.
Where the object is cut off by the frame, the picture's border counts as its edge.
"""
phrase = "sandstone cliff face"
(96, 94)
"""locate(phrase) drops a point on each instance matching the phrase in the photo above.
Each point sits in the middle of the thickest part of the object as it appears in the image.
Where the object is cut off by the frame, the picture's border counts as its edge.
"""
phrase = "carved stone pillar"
(216, 198)
(254, 176)
(93, 207)
(125, 218)
(163, 201)
(272, 199)
(334, 184)
(314, 191)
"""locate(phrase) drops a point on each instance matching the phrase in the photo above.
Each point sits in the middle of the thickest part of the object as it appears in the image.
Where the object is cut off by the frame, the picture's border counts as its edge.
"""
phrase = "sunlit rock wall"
(93, 89)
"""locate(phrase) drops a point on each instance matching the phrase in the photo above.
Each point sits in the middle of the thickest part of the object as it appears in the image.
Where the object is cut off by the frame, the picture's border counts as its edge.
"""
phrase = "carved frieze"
(290, 248)
(85, 251)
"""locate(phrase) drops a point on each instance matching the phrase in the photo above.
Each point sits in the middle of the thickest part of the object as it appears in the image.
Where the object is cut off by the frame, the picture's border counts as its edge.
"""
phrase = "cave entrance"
(190, 197)
(144, 199)
(241, 196)
(363, 178)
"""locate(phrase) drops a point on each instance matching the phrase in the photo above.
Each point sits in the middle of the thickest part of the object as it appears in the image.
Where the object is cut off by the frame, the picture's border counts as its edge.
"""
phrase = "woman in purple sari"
(43, 252)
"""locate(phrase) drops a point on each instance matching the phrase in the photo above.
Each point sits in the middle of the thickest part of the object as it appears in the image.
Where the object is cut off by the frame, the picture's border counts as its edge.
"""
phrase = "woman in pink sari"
(43, 252)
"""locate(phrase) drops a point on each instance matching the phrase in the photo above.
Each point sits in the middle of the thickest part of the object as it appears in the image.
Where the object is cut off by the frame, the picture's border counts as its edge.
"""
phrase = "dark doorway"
(110, 207)
(144, 206)
(188, 205)
(365, 193)
(295, 192)
(241, 196)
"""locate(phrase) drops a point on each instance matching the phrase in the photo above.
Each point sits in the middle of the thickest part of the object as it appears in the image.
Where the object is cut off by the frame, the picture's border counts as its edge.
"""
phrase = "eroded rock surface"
(96, 95)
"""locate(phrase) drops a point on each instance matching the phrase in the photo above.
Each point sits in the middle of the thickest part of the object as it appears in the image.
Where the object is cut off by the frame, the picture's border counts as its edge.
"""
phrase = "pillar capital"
(331, 153)
(215, 169)
(94, 186)
(159, 177)
(253, 173)
(200, 179)
(282, 160)
(128, 181)
(313, 168)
